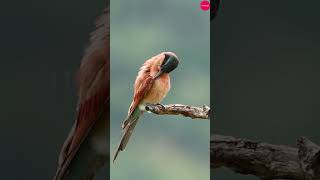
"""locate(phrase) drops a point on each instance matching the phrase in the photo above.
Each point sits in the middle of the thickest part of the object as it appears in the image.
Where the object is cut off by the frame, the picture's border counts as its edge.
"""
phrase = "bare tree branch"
(179, 109)
(265, 160)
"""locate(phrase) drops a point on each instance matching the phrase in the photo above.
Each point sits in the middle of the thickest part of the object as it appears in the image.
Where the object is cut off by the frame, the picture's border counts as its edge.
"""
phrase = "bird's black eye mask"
(169, 63)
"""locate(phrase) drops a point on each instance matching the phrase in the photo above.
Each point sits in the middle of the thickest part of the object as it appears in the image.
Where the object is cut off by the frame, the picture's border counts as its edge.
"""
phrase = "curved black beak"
(158, 74)
(169, 63)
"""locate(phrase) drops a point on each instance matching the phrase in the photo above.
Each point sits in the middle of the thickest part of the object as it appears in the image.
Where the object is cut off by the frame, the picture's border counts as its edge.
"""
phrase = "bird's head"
(165, 64)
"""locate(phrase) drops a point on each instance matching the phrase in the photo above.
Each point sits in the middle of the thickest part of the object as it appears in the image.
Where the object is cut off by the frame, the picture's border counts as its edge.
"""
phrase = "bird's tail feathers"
(135, 114)
(128, 127)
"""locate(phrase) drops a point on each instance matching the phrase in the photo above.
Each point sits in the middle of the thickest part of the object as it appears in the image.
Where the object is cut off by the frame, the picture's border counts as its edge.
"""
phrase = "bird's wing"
(94, 90)
(142, 86)
(89, 111)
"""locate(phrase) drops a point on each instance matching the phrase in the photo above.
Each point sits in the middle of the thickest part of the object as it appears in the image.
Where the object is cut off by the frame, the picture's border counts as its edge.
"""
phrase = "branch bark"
(266, 161)
(180, 109)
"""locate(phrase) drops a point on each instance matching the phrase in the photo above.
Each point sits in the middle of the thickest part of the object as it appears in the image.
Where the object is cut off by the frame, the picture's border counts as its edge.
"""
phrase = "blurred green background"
(162, 147)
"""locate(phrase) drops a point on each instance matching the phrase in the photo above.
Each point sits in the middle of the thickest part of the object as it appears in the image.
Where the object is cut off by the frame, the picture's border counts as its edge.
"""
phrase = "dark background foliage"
(266, 72)
(42, 43)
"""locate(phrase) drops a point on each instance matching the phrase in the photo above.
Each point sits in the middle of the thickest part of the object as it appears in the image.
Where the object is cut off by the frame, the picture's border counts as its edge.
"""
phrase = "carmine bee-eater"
(86, 148)
(151, 86)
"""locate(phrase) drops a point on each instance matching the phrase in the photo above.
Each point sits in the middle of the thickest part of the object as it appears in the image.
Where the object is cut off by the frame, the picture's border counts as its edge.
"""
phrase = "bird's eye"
(147, 71)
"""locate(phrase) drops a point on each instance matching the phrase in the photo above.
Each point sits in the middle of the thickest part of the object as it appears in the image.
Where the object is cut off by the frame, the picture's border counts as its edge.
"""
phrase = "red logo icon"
(205, 5)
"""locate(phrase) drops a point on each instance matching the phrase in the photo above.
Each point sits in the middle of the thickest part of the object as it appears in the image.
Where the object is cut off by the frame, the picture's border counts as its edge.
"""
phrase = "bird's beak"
(158, 74)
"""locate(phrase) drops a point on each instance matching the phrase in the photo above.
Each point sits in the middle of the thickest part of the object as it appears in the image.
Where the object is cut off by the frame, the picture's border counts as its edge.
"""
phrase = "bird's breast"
(159, 90)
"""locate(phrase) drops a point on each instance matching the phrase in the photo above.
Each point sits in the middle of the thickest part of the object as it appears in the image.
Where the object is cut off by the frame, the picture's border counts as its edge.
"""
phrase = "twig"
(179, 109)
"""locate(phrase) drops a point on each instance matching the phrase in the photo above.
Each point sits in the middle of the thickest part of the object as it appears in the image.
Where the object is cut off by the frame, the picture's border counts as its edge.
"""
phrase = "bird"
(86, 149)
(151, 86)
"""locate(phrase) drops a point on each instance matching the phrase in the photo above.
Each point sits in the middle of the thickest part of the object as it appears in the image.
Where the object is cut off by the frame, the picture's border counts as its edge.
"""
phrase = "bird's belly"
(158, 91)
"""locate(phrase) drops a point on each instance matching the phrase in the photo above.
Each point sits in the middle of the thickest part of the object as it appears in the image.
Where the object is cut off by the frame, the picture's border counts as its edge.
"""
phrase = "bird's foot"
(162, 106)
(148, 107)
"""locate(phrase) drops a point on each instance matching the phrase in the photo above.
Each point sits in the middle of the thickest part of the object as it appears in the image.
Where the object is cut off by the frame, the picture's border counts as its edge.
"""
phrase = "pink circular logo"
(205, 5)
